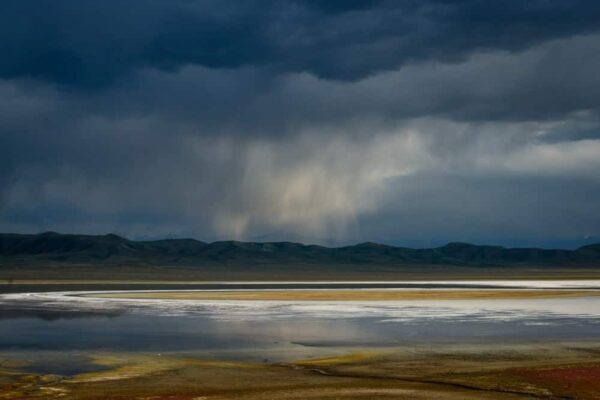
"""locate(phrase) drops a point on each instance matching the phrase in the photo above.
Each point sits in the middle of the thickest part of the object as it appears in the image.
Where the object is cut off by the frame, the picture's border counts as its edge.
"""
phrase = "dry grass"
(449, 372)
(111, 274)
(354, 295)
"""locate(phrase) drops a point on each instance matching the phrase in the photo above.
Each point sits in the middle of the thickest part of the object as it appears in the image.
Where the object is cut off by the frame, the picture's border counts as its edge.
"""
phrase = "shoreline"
(415, 280)
(189, 276)
(349, 295)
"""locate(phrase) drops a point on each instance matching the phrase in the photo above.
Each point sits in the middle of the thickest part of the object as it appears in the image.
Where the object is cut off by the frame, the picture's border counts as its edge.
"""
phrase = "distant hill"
(18, 249)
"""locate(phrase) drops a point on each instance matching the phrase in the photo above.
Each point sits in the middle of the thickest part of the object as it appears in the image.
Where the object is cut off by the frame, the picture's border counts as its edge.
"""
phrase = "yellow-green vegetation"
(123, 367)
(537, 370)
(353, 295)
(341, 359)
(526, 371)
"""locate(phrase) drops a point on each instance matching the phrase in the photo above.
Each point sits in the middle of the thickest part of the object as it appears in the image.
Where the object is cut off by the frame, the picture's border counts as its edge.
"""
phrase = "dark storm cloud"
(397, 121)
(91, 43)
(547, 82)
(523, 210)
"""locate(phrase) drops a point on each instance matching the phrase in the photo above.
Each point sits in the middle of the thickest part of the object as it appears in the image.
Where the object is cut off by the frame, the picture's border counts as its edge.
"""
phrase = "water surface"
(39, 327)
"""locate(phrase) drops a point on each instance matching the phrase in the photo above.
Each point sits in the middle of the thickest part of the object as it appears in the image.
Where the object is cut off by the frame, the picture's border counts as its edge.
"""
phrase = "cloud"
(86, 44)
(404, 122)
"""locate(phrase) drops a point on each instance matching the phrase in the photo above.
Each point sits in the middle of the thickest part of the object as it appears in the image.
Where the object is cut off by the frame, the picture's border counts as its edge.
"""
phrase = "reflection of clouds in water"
(255, 311)
(281, 327)
(297, 330)
(52, 314)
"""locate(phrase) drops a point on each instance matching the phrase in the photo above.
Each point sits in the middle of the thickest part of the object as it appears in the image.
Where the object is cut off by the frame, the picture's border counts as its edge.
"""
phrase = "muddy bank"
(523, 371)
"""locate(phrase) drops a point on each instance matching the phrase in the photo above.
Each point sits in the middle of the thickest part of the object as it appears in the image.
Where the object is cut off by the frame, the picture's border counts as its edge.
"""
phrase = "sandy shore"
(352, 295)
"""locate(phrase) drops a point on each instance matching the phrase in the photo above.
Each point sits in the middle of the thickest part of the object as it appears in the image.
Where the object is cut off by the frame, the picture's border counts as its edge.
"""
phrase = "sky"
(408, 122)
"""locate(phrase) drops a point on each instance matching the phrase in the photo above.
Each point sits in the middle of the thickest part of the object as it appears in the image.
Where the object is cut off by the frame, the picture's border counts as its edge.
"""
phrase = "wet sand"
(352, 295)
(477, 371)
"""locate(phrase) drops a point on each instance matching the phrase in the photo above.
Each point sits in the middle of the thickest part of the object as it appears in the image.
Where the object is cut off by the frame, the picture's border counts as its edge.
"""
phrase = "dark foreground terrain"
(517, 371)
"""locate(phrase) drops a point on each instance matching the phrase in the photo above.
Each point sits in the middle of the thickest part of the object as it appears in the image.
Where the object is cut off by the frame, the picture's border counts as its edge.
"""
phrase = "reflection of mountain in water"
(56, 314)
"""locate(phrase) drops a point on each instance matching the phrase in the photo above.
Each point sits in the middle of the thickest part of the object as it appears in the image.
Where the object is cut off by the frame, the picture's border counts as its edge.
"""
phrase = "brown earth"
(452, 372)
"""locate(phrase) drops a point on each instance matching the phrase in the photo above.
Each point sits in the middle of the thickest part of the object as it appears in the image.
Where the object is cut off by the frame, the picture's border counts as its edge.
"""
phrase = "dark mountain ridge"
(113, 249)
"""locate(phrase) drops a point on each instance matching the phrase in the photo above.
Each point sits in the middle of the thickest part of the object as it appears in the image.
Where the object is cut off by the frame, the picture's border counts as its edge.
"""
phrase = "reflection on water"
(66, 363)
(52, 315)
(145, 332)
(37, 327)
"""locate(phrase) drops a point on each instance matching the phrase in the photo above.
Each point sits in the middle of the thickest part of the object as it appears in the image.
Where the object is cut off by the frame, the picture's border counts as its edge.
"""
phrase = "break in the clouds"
(408, 122)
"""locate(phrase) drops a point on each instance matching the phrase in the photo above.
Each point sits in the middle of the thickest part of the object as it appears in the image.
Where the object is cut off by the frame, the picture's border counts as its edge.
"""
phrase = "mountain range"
(25, 249)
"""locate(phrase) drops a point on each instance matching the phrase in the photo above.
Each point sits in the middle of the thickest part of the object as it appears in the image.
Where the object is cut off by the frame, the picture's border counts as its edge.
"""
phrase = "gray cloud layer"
(406, 122)
(86, 42)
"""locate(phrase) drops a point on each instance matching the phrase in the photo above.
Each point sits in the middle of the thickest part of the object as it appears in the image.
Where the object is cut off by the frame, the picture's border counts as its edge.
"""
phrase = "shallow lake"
(54, 331)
